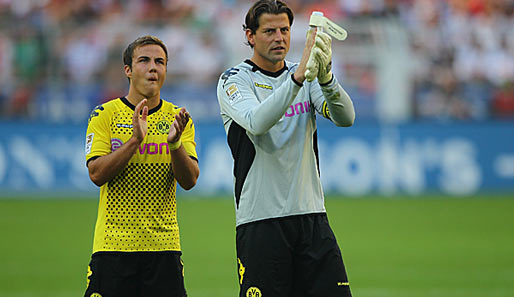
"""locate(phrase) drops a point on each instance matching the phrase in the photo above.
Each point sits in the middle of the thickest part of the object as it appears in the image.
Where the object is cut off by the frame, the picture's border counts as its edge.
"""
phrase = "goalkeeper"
(284, 244)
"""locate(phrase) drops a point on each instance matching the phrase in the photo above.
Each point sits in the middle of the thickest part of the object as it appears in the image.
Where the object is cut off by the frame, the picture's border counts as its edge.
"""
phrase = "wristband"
(175, 145)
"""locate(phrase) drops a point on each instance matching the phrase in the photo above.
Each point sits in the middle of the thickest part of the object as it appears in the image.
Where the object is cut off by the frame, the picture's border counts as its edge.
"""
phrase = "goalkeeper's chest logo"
(263, 86)
(233, 93)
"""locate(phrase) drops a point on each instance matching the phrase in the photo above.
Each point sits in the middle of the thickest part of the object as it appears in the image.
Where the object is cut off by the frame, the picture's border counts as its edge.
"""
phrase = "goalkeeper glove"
(323, 53)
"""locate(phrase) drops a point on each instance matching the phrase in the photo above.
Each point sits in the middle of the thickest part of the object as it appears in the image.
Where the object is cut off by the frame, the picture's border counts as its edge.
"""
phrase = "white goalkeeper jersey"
(270, 121)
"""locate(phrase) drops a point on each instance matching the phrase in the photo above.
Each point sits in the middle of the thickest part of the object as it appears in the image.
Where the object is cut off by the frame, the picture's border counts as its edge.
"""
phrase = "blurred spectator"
(58, 57)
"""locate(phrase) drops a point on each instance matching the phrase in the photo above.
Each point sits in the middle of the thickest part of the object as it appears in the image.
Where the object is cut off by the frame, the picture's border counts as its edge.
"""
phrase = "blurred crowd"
(60, 58)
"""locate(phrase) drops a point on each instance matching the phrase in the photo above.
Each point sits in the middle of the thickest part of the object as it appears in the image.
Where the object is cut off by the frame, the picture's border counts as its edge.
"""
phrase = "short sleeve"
(98, 135)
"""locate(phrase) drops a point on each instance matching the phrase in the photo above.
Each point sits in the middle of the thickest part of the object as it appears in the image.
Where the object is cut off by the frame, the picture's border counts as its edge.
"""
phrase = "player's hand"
(311, 71)
(323, 53)
(139, 124)
(299, 75)
(178, 125)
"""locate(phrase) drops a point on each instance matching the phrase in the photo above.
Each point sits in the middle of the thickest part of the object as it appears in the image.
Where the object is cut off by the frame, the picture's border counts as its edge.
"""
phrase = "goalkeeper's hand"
(299, 74)
(311, 71)
(323, 52)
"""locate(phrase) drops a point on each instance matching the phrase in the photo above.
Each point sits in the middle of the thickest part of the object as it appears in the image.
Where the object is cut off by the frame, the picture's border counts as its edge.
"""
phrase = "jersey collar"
(265, 72)
(125, 100)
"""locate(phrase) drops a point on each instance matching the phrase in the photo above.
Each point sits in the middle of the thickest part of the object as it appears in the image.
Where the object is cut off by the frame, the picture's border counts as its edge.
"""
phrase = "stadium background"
(420, 189)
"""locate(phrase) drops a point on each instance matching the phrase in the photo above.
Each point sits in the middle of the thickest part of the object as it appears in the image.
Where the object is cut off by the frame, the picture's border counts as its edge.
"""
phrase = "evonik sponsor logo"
(145, 148)
(154, 148)
(298, 108)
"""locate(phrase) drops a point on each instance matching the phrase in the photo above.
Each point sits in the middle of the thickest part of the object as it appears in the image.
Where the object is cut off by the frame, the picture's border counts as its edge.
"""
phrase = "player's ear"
(250, 36)
(128, 71)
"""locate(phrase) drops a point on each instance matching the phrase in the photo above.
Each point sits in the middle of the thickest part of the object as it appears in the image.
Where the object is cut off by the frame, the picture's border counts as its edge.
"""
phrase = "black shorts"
(136, 274)
(290, 257)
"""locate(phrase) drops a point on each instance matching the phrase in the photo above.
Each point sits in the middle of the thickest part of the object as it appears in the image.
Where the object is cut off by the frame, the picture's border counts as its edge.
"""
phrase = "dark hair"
(143, 40)
(265, 6)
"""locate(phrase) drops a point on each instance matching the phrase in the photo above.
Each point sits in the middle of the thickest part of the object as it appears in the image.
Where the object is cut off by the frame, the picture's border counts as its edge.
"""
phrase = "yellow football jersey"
(137, 209)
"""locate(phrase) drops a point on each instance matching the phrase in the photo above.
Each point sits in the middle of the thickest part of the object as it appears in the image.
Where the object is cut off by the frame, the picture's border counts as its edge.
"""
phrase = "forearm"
(185, 169)
(265, 115)
(339, 104)
(105, 168)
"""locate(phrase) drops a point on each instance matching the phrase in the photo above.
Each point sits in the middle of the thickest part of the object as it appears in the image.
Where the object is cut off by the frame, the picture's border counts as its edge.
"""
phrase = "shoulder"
(105, 109)
(237, 72)
(169, 107)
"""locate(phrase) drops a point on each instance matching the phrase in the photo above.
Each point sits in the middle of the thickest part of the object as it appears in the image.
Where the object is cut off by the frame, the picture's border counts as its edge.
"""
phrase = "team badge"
(163, 127)
(253, 292)
(95, 295)
(89, 142)
(233, 93)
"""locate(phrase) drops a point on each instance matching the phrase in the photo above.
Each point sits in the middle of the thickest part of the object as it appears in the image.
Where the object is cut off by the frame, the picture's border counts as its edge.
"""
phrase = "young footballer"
(137, 148)
(285, 246)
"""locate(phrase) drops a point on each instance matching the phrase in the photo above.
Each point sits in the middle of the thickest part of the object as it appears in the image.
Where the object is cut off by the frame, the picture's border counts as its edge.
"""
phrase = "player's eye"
(284, 30)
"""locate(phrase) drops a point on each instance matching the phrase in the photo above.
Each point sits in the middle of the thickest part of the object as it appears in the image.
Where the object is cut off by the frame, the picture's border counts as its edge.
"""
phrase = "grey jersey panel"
(279, 119)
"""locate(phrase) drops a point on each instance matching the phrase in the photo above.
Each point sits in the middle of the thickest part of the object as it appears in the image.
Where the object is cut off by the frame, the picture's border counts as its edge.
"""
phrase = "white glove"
(323, 52)
(311, 68)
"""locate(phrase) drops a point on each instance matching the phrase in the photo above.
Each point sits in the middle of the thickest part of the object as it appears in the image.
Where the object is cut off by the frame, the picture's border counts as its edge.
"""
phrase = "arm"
(338, 104)
(238, 101)
(185, 168)
(104, 168)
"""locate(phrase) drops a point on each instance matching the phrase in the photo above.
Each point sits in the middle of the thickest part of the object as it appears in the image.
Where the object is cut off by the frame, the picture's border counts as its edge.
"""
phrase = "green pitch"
(447, 247)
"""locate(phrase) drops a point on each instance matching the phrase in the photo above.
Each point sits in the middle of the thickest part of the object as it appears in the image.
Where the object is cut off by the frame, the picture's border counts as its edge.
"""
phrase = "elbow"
(346, 123)
(188, 183)
(96, 179)
(259, 130)
(188, 186)
(94, 173)
(95, 176)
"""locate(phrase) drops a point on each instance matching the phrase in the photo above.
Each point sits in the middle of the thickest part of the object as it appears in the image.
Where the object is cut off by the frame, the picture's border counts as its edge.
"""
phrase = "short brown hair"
(143, 40)
(265, 6)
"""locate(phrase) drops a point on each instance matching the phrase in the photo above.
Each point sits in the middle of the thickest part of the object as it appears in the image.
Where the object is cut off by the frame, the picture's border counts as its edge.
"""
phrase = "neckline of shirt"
(131, 106)
(255, 68)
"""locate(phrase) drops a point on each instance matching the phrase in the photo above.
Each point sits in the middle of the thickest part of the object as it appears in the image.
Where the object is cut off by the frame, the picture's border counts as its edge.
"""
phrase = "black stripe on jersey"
(243, 153)
(329, 82)
(256, 68)
(125, 100)
(91, 159)
(315, 148)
